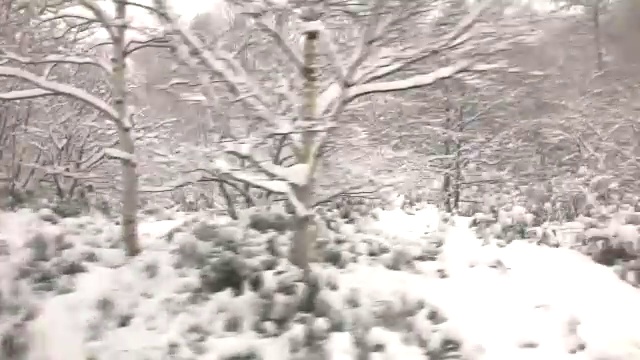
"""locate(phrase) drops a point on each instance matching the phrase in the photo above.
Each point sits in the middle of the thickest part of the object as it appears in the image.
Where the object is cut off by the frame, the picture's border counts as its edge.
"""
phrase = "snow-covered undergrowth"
(398, 287)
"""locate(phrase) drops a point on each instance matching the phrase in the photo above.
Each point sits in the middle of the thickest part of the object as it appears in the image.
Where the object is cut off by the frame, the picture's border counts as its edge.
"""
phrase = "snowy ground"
(88, 301)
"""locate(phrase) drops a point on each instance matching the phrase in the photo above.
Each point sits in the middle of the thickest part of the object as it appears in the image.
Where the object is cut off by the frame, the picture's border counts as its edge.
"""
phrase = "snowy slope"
(517, 302)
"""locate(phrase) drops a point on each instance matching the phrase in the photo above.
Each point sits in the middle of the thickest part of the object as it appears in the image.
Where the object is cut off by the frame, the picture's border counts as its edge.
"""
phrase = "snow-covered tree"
(82, 20)
(389, 44)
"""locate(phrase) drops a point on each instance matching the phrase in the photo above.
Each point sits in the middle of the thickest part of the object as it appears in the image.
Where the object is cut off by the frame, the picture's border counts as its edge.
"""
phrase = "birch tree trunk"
(124, 126)
(305, 233)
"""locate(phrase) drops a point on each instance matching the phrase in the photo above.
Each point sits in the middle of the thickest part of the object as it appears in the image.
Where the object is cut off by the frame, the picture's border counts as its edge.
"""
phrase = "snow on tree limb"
(298, 174)
(52, 170)
(363, 71)
(222, 64)
(275, 186)
(466, 23)
(409, 83)
(333, 93)
(25, 94)
(395, 62)
(52, 88)
(154, 42)
(119, 154)
(57, 59)
(363, 48)
(100, 15)
(292, 55)
(355, 190)
(421, 80)
(209, 177)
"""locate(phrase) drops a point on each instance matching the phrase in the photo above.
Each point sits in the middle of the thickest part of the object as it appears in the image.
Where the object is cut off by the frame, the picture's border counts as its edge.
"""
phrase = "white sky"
(186, 9)
(190, 8)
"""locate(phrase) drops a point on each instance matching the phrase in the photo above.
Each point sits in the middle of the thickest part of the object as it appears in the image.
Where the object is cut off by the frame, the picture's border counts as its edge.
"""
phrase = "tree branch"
(57, 59)
(419, 80)
(298, 174)
(364, 47)
(355, 190)
(155, 42)
(291, 54)
(336, 95)
(394, 64)
(25, 94)
(50, 88)
(274, 186)
(236, 78)
(102, 17)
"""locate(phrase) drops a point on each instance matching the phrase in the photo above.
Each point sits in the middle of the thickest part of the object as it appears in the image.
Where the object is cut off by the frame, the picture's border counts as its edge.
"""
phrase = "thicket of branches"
(268, 102)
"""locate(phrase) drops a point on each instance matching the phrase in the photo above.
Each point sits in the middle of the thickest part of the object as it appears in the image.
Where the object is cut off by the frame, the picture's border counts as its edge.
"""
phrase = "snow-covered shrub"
(226, 271)
(265, 221)
(210, 284)
(69, 208)
(17, 309)
(220, 235)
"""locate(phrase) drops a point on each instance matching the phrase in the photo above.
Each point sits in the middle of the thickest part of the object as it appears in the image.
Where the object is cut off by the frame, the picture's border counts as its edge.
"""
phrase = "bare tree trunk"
(304, 236)
(459, 161)
(129, 175)
(447, 186)
(228, 198)
(595, 13)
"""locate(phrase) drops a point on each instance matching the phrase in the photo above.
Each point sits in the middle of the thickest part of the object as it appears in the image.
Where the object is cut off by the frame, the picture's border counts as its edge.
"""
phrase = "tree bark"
(304, 237)
(129, 232)
(595, 14)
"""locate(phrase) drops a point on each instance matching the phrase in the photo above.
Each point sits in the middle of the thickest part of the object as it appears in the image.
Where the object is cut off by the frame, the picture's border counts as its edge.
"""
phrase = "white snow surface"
(397, 223)
(492, 311)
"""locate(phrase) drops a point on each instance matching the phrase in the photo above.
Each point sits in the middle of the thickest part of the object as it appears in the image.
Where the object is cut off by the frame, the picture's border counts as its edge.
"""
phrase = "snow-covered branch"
(154, 42)
(372, 61)
(25, 94)
(52, 88)
(335, 94)
(56, 59)
(363, 49)
(411, 82)
(359, 190)
(120, 155)
(221, 64)
(100, 15)
(298, 174)
(394, 62)
(293, 56)
(281, 187)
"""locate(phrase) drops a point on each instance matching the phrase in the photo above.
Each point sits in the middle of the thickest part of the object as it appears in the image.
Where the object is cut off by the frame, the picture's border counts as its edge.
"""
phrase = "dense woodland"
(253, 103)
